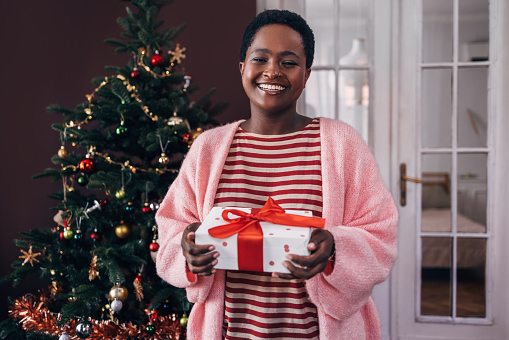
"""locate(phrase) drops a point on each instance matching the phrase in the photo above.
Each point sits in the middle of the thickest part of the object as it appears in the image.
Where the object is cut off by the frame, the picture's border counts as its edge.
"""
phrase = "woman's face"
(274, 71)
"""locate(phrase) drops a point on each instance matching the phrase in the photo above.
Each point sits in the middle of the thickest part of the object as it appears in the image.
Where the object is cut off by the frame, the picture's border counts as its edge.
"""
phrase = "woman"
(320, 165)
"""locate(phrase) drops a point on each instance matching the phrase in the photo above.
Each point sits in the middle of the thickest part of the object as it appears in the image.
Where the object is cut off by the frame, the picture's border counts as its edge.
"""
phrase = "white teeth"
(271, 87)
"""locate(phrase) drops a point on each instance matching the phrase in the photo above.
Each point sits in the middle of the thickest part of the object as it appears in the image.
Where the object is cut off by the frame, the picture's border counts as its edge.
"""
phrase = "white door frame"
(405, 100)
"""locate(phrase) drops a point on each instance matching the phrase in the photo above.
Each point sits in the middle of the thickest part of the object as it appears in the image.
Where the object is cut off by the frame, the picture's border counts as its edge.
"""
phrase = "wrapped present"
(257, 239)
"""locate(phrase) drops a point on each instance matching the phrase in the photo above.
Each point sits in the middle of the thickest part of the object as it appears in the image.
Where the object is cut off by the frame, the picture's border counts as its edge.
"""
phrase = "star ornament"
(178, 54)
(29, 256)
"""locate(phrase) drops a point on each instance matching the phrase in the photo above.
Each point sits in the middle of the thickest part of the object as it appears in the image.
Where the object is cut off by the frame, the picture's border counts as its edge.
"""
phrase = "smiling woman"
(318, 165)
(273, 79)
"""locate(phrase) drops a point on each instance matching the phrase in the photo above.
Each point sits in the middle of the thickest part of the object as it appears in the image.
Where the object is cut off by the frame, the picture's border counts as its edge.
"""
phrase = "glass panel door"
(339, 84)
(454, 162)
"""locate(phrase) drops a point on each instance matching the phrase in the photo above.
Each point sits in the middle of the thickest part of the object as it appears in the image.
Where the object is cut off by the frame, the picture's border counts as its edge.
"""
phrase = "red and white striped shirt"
(286, 168)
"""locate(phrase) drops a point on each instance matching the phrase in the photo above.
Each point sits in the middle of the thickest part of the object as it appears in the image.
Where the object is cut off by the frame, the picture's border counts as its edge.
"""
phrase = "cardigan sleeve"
(362, 217)
(181, 207)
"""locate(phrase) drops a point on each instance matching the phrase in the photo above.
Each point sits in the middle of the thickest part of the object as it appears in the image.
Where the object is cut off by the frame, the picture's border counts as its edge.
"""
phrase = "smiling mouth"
(271, 87)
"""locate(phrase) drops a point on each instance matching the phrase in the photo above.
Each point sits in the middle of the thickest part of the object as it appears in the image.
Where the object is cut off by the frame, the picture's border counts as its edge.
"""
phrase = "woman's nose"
(272, 71)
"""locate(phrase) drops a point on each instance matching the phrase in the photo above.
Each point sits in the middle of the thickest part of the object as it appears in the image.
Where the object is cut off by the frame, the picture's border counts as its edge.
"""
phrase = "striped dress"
(287, 168)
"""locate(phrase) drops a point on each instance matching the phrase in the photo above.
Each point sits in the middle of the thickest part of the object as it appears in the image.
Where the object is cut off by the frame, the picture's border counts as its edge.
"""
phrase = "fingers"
(203, 265)
(320, 245)
(200, 259)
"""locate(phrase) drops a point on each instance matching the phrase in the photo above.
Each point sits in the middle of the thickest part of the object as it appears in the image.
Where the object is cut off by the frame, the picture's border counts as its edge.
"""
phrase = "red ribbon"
(250, 235)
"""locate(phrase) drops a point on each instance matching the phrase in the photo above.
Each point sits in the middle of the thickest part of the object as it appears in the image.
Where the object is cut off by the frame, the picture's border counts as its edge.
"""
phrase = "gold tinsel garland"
(33, 315)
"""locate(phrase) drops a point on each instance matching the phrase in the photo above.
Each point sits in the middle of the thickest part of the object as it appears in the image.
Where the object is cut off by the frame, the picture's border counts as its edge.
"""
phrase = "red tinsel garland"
(34, 315)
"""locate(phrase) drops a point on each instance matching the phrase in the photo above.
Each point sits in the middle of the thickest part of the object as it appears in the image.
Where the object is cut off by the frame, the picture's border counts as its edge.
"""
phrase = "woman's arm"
(361, 216)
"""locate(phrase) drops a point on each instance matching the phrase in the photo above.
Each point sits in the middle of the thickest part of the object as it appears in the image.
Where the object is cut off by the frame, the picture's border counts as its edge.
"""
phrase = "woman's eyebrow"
(284, 53)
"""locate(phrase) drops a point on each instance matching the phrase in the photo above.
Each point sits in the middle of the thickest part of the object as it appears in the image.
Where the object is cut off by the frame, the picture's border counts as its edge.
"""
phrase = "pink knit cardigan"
(359, 212)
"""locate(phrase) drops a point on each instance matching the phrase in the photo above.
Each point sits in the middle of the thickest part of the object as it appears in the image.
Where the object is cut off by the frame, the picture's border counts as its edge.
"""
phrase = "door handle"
(403, 178)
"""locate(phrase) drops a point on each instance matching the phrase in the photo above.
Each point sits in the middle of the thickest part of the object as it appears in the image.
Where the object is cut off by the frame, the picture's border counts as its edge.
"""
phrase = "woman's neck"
(275, 124)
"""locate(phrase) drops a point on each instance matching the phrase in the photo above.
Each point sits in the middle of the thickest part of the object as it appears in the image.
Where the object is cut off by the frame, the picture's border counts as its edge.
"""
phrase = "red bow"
(250, 235)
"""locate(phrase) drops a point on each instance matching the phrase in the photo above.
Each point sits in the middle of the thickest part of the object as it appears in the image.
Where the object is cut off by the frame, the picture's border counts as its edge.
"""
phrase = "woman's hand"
(321, 246)
(200, 259)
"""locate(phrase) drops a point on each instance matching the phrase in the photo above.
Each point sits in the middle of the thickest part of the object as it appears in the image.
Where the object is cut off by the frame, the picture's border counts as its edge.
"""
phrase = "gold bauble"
(123, 230)
(118, 292)
(62, 153)
(164, 159)
(120, 194)
(196, 133)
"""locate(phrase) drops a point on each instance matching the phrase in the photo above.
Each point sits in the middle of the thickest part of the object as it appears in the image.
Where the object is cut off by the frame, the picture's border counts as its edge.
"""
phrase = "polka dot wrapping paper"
(278, 241)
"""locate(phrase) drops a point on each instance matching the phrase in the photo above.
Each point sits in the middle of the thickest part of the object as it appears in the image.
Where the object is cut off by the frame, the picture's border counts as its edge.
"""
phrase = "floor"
(436, 293)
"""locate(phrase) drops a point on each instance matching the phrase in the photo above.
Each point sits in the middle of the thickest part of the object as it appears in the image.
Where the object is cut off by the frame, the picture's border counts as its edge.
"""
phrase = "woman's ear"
(241, 68)
(306, 76)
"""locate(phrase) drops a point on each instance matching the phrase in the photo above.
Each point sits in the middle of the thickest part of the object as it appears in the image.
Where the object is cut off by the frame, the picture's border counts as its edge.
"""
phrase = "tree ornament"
(83, 180)
(96, 236)
(164, 160)
(187, 81)
(120, 193)
(183, 320)
(154, 206)
(68, 233)
(29, 256)
(138, 288)
(146, 208)
(185, 138)
(195, 135)
(150, 328)
(62, 236)
(84, 329)
(64, 336)
(157, 59)
(175, 120)
(135, 73)
(93, 272)
(123, 230)
(118, 292)
(78, 236)
(129, 207)
(121, 130)
(154, 246)
(178, 54)
(87, 165)
(62, 152)
(116, 305)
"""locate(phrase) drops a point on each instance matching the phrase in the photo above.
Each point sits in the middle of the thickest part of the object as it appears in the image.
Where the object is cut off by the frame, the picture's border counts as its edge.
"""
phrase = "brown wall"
(50, 51)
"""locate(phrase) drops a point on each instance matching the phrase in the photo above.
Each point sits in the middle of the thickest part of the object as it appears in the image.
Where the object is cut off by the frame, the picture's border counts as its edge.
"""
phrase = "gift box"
(257, 239)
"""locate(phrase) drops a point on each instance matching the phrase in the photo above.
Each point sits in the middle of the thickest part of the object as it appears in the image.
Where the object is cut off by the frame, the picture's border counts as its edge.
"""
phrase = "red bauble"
(87, 166)
(62, 236)
(135, 73)
(157, 59)
(146, 208)
(154, 246)
(139, 277)
(96, 236)
(185, 138)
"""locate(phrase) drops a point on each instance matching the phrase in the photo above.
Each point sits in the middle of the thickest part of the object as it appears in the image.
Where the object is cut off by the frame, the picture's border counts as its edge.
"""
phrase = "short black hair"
(281, 17)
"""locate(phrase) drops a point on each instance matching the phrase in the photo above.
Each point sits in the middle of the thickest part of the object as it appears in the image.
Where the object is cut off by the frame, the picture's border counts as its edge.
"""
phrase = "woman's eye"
(289, 63)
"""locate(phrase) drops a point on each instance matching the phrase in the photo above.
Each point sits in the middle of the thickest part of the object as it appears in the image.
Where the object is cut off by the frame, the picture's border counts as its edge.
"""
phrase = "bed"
(436, 218)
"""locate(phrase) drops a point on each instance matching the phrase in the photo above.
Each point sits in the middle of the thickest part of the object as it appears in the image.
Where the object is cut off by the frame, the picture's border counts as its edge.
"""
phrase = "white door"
(449, 158)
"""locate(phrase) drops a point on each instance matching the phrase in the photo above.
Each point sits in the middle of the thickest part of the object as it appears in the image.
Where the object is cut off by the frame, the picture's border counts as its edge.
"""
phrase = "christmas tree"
(121, 149)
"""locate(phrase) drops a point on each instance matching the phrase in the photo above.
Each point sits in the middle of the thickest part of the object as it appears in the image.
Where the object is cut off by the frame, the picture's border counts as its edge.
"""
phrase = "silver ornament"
(116, 305)
(83, 330)
(154, 206)
(64, 336)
